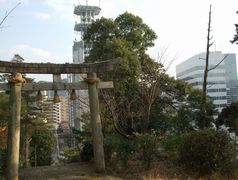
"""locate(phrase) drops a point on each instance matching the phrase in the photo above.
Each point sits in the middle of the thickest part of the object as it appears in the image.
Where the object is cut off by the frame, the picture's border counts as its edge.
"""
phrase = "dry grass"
(163, 170)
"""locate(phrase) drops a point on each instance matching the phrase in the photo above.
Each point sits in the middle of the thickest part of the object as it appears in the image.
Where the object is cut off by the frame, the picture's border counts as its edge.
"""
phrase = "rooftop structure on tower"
(85, 14)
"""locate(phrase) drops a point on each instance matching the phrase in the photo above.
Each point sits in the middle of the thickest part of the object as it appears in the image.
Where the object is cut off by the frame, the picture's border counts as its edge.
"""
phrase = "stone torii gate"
(17, 84)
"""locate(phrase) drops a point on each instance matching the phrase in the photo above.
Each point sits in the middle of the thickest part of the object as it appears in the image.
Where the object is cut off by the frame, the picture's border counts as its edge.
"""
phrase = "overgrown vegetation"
(148, 117)
(206, 151)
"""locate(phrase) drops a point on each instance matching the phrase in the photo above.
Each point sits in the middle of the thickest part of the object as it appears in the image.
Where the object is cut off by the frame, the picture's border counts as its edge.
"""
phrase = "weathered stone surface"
(98, 150)
(50, 68)
(57, 86)
(13, 142)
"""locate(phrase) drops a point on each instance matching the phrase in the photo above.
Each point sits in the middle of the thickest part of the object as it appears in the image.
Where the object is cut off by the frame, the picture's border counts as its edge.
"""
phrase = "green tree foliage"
(136, 32)
(42, 143)
(129, 38)
(127, 30)
(235, 38)
(165, 111)
(144, 96)
(194, 100)
(177, 111)
(229, 117)
(206, 151)
(126, 37)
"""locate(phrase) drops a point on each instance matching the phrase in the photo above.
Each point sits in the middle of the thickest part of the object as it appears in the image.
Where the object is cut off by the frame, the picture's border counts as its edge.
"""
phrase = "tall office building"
(222, 83)
(86, 15)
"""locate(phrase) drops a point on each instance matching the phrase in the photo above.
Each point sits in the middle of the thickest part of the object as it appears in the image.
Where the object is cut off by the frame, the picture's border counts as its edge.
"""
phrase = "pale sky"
(42, 30)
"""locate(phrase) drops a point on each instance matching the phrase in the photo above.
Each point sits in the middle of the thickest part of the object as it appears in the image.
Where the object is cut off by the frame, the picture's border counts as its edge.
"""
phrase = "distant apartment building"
(57, 112)
(57, 119)
(222, 83)
(51, 112)
(64, 112)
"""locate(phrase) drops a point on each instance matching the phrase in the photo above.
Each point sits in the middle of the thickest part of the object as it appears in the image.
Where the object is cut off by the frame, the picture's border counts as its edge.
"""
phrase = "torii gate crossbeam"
(50, 68)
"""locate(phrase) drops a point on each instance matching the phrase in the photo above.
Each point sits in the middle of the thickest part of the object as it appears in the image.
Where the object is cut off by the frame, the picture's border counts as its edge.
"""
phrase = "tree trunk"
(203, 121)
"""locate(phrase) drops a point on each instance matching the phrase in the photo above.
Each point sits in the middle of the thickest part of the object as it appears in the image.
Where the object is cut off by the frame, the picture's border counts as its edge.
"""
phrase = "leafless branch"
(8, 13)
(163, 59)
(214, 67)
(115, 110)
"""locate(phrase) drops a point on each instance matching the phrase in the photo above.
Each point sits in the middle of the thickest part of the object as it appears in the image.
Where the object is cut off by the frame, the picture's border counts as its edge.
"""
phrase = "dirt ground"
(81, 171)
(85, 171)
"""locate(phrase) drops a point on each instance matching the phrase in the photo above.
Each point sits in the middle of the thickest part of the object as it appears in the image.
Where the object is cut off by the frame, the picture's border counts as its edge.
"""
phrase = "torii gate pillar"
(98, 150)
(13, 141)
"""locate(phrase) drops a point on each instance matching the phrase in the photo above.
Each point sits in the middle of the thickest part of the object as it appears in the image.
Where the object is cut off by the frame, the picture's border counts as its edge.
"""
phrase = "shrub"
(71, 155)
(110, 143)
(148, 148)
(207, 151)
(86, 153)
(171, 146)
(124, 149)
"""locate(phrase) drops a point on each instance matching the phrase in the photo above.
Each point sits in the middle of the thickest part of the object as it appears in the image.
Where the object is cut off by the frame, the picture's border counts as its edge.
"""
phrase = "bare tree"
(203, 121)
(204, 89)
(118, 114)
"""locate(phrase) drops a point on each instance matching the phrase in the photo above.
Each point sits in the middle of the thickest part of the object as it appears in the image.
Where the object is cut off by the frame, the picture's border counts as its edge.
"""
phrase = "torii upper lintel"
(50, 68)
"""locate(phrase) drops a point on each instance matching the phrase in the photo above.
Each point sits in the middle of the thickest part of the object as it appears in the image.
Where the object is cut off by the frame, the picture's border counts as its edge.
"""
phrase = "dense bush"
(147, 148)
(86, 154)
(110, 142)
(122, 147)
(71, 155)
(125, 149)
(206, 151)
(143, 148)
(170, 147)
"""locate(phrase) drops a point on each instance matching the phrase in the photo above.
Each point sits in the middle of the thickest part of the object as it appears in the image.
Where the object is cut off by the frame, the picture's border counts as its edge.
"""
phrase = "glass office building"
(222, 84)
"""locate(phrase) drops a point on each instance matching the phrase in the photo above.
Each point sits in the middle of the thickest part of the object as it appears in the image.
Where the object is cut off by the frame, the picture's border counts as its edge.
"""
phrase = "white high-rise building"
(51, 110)
(86, 15)
(222, 83)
